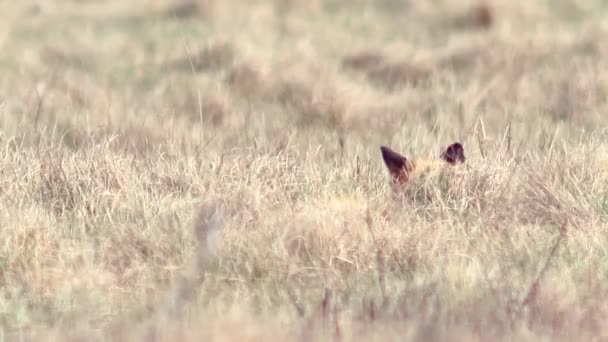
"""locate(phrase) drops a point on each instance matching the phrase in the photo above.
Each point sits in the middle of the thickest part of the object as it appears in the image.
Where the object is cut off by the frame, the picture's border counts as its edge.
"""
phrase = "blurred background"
(182, 71)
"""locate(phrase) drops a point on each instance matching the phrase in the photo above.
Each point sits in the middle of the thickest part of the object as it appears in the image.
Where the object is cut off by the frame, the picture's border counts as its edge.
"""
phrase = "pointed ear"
(454, 154)
(397, 165)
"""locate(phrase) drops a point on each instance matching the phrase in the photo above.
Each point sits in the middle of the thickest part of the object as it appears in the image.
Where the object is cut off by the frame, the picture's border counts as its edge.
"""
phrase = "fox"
(401, 169)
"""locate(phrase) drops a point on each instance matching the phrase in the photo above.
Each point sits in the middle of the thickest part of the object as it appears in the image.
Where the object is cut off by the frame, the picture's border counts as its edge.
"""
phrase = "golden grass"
(195, 170)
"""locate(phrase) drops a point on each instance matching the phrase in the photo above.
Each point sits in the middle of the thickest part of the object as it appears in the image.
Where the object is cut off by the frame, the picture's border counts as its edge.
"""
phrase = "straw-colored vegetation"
(185, 171)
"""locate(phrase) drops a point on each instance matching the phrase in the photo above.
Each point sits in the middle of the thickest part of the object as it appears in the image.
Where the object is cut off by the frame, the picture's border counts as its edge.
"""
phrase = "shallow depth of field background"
(185, 171)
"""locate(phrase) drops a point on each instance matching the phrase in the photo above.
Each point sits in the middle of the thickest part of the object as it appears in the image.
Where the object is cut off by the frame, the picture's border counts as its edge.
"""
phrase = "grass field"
(211, 170)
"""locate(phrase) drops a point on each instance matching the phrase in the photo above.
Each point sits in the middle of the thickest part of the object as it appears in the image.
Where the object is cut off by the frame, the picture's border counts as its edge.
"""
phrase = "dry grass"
(189, 170)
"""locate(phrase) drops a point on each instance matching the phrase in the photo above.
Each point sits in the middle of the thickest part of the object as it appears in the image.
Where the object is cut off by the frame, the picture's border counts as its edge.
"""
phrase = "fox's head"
(400, 168)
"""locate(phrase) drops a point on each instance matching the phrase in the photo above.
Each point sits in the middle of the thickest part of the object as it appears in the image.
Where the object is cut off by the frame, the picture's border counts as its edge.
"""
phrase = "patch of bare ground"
(186, 9)
(385, 72)
(479, 16)
(251, 81)
(212, 57)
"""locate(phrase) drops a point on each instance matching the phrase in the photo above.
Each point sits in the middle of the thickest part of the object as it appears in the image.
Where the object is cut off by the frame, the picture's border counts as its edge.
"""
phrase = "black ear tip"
(455, 148)
(390, 156)
(454, 153)
(456, 145)
(386, 150)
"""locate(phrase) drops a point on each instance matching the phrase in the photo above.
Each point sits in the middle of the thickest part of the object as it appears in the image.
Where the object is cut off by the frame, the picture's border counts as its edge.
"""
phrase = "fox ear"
(397, 165)
(454, 154)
